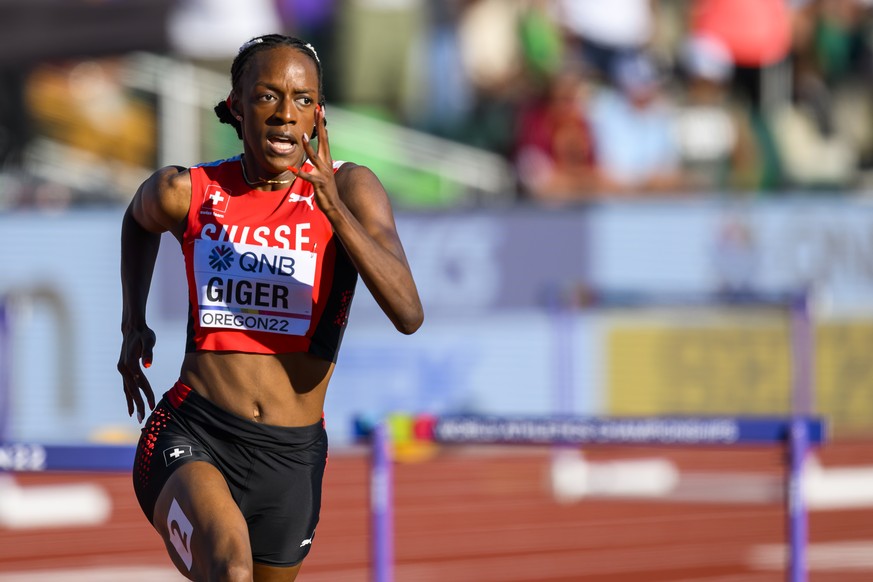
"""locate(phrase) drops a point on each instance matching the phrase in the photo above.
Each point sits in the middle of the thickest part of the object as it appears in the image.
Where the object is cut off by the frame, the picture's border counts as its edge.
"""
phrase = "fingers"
(135, 384)
(134, 380)
(309, 177)
(323, 152)
(323, 144)
(147, 354)
(310, 151)
(145, 388)
(128, 395)
(313, 177)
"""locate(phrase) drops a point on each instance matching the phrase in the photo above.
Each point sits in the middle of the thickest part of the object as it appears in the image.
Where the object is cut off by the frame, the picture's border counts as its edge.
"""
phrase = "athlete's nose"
(286, 111)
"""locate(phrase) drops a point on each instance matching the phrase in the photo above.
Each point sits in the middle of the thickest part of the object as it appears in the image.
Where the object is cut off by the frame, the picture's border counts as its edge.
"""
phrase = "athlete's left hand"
(322, 175)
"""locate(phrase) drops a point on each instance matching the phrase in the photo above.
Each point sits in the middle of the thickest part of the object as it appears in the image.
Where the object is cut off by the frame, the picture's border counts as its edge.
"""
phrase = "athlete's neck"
(262, 181)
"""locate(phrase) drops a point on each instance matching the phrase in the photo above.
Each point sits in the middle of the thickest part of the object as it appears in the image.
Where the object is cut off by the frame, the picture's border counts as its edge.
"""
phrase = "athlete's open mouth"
(282, 144)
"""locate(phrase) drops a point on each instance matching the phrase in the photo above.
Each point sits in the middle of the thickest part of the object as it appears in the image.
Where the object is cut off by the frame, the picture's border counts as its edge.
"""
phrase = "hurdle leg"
(798, 448)
(381, 498)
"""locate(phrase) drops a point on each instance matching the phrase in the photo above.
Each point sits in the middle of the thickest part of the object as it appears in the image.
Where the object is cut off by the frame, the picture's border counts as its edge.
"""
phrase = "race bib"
(256, 288)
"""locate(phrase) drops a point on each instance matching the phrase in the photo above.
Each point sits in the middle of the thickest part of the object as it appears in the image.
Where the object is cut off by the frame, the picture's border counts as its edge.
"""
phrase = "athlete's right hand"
(137, 345)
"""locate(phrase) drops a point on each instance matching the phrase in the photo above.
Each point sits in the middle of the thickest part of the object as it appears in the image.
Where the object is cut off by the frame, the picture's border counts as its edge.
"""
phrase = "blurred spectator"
(315, 22)
(85, 107)
(554, 152)
(542, 40)
(812, 158)
(376, 42)
(633, 128)
(604, 32)
(308, 19)
(716, 141)
(490, 46)
(445, 95)
(843, 40)
(491, 57)
(756, 33)
(819, 147)
(832, 81)
(215, 29)
(757, 36)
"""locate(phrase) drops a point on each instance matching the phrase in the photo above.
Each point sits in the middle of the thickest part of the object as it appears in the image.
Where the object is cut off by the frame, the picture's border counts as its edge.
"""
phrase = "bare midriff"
(275, 389)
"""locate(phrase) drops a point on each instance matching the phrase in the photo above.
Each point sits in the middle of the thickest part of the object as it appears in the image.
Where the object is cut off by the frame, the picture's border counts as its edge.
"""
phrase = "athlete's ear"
(229, 103)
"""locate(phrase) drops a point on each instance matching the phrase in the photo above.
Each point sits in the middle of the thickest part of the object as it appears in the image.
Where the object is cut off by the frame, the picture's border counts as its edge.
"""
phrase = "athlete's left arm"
(355, 202)
(365, 224)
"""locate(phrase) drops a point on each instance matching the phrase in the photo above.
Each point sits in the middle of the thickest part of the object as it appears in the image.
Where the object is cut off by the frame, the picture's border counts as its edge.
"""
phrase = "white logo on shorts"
(307, 542)
(173, 454)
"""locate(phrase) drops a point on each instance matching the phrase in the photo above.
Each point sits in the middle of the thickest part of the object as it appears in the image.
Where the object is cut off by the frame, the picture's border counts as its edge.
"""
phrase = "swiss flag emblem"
(215, 199)
(173, 454)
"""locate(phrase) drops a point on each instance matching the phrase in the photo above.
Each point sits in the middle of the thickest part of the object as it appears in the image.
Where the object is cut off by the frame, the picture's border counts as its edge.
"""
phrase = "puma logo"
(294, 197)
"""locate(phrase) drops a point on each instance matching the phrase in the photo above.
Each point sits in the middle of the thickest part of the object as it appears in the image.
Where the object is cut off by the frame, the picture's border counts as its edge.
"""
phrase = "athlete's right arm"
(160, 204)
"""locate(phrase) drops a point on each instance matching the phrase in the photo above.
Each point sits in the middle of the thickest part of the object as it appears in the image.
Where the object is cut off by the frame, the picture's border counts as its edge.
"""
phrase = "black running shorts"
(274, 473)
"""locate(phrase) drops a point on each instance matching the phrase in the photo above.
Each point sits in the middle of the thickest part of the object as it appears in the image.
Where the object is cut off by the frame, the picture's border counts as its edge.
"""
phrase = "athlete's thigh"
(264, 573)
(200, 523)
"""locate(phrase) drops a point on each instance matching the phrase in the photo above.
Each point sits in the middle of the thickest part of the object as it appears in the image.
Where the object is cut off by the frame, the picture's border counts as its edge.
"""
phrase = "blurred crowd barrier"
(495, 340)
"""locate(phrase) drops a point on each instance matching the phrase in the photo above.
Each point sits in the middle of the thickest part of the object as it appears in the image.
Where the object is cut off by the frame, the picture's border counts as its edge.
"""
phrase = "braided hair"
(242, 60)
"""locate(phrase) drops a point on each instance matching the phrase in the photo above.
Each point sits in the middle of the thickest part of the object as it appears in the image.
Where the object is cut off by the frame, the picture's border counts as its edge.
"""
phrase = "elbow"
(410, 322)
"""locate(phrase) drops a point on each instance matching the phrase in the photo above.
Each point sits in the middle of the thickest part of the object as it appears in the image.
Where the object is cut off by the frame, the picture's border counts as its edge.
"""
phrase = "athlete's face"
(278, 96)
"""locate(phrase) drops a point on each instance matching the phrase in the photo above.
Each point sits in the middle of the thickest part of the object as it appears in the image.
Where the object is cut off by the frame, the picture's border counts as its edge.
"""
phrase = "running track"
(487, 514)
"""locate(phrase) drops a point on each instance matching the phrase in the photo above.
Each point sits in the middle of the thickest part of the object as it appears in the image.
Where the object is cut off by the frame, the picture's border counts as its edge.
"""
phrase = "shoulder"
(164, 198)
(351, 176)
(171, 186)
(172, 178)
(364, 195)
(218, 166)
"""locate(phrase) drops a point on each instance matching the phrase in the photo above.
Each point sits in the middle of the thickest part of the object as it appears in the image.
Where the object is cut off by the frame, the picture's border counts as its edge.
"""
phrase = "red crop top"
(265, 272)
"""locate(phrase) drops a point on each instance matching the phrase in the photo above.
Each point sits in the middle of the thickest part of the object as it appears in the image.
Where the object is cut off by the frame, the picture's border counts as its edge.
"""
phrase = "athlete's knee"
(231, 570)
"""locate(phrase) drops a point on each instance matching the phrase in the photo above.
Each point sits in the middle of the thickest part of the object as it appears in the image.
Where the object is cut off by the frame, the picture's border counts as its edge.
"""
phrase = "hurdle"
(796, 433)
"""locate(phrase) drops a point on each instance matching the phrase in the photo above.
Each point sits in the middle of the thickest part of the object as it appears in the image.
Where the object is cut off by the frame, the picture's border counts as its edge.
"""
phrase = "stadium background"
(508, 194)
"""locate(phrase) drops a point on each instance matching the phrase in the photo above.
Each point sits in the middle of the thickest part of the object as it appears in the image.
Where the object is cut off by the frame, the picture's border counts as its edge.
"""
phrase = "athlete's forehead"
(282, 67)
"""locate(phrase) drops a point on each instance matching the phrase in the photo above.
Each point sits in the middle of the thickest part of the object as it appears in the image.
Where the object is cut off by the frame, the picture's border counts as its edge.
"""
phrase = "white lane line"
(825, 488)
(76, 504)
(855, 555)
(837, 487)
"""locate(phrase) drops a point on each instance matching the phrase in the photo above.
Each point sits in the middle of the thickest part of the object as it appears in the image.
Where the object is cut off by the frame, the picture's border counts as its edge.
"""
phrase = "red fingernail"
(293, 169)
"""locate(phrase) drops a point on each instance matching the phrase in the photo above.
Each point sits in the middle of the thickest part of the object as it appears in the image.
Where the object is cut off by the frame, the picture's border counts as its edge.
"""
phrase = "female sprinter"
(230, 462)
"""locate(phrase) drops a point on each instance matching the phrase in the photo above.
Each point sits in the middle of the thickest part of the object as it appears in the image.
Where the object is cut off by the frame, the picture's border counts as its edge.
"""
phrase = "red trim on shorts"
(178, 393)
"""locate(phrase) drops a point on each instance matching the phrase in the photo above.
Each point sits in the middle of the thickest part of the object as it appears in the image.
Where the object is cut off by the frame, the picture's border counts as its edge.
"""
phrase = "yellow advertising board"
(736, 366)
